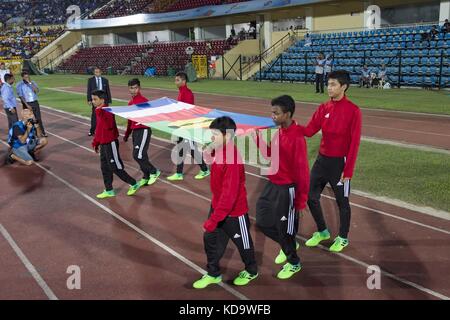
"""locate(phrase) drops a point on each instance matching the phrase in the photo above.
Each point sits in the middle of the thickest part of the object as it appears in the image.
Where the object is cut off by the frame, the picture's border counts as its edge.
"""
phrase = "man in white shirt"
(320, 66)
(3, 71)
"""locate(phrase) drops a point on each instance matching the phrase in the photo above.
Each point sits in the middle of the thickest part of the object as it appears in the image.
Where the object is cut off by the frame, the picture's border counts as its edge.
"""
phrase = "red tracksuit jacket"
(106, 129)
(132, 124)
(340, 122)
(185, 95)
(229, 195)
(291, 161)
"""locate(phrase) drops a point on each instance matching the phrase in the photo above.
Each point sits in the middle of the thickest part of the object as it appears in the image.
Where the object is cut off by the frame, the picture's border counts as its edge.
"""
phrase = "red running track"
(150, 246)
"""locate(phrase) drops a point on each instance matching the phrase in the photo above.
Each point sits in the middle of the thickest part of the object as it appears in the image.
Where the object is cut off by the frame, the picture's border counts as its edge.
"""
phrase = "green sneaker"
(133, 189)
(206, 280)
(153, 178)
(288, 271)
(143, 182)
(281, 257)
(106, 194)
(176, 177)
(339, 244)
(202, 175)
(317, 237)
(244, 278)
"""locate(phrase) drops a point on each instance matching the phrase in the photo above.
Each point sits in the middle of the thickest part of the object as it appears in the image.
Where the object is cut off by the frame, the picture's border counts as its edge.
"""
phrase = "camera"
(32, 121)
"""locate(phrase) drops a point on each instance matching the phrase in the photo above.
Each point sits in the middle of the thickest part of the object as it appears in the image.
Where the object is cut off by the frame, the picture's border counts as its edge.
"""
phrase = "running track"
(150, 246)
(411, 128)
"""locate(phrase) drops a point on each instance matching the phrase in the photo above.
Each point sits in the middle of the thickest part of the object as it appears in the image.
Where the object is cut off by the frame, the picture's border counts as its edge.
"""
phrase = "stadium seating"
(120, 8)
(158, 55)
(116, 57)
(419, 61)
(24, 43)
(43, 12)
(165, 55)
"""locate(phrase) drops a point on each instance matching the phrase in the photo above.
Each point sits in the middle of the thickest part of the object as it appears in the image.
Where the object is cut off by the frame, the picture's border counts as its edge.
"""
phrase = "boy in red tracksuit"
(185, 95)
(340, 122)
(141, 138)
(285, 195)
(228, 217)
(106, 142)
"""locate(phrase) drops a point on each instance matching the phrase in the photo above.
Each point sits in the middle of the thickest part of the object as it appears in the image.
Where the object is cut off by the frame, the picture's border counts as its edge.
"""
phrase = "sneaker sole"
(334, 250)
(105, 197)
(203, 287)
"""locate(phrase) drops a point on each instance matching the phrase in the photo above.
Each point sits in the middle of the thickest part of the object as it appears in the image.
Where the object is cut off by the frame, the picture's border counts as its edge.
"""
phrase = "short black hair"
(223, 124)
(25, 72)
(95, 68)
(286, 103)
(99, 93)
(342, 76)
(182, 75)
(134, 82)
(8, 76)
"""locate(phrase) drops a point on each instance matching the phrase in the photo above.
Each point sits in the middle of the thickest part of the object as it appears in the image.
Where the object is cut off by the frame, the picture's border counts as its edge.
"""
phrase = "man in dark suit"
(97, 82)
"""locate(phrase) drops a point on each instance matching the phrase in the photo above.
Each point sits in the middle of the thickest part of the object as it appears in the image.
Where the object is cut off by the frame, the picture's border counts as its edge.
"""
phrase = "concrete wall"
(163, 36)
(217, 32)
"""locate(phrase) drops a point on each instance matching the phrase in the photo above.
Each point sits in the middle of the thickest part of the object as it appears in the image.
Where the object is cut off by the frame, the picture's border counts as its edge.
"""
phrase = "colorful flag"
(185, 120)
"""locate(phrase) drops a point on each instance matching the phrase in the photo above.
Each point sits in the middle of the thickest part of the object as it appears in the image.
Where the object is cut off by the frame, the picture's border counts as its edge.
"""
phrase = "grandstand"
(410, 61)
(118, 8)
(134, 59)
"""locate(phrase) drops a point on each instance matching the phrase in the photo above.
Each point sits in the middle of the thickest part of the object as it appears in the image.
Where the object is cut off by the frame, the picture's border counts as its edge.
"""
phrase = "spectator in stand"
(382, 75)
(434, 33)
(445, 27)
(308, 41)
(156, 39)
(252, 30)
(233, 32)
(242, 34)
(230, 39)
(365, 77)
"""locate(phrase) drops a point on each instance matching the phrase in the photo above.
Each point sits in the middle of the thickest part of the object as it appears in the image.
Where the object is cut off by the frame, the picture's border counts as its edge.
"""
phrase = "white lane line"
(349, 258)
(407, 130)
(131, 225)
(26, 262)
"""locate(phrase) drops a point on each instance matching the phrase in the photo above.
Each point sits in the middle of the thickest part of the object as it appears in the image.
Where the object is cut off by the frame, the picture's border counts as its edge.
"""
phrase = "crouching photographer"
(26, 139)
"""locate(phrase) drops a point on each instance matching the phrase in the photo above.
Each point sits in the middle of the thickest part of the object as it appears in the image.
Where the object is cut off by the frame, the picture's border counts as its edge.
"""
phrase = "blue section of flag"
(240, 118)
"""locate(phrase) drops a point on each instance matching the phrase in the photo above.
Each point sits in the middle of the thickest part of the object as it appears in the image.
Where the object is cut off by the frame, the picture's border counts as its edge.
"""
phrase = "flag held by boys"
(185, 120)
